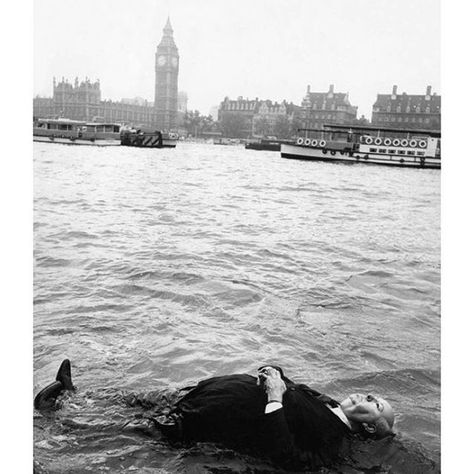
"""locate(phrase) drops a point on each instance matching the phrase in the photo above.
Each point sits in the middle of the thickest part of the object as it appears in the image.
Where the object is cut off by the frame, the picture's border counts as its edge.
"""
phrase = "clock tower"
(166, 80)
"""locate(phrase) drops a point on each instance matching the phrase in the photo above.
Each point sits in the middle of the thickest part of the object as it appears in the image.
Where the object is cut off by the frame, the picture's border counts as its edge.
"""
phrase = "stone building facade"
(319, 108)
(408, 111)
(241, 111)
(83, 101)
(255, 117)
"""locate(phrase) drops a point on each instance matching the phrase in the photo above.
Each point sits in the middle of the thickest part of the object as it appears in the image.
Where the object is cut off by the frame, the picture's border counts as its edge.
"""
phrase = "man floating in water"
(268, 415)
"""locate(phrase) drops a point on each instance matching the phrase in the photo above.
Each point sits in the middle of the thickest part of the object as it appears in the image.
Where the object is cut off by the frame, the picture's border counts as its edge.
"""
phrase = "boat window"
(382, 150)
(401, 152)
(420, 153)
(410, 152)
(373, 150)
(391, 151)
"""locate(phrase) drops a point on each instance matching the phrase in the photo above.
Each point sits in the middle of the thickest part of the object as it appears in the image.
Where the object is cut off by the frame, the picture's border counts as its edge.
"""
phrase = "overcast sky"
(270, 49)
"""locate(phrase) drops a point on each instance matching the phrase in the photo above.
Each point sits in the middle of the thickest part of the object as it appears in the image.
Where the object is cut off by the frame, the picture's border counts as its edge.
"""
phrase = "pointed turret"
(167, 40)
(168, 30)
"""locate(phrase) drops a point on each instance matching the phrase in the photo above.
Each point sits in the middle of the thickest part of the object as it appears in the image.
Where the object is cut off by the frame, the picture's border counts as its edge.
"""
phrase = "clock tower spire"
(166, 80)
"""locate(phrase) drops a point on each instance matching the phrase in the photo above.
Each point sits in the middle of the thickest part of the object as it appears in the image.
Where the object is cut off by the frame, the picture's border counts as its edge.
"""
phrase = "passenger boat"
(268, 144)
(368, 144)
(76, 132)
(156, 139)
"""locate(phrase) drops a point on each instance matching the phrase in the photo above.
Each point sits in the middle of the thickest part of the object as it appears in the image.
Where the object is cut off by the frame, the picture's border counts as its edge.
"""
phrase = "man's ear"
(369, 427)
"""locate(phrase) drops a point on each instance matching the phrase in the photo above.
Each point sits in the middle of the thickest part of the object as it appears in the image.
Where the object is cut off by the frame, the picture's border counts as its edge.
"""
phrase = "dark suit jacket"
(305, 434)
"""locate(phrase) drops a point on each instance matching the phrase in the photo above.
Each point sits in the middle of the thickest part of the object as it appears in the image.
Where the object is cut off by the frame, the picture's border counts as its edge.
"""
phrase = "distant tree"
(207, 124)
(262, 126)
(283, 127)
(195, 124)
(234, 126)
(296, 124)
(192, 120)
(361, 121)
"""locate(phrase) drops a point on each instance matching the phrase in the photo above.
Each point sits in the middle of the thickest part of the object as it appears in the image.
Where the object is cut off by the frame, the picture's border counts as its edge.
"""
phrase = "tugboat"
(156, 139)
(367, 144)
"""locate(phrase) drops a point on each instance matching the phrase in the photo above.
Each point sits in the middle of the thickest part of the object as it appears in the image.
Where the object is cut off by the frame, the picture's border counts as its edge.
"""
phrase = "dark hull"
(298, 152)
(147, 140)
(341, 160)
(263, 146)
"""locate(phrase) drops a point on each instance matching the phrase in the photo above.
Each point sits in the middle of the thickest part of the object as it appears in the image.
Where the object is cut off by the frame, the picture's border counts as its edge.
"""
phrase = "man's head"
(369, 414)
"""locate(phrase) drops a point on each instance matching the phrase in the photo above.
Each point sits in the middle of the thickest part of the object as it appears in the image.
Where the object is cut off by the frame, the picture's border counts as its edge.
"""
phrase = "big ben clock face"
(161, 60)
(174, 62)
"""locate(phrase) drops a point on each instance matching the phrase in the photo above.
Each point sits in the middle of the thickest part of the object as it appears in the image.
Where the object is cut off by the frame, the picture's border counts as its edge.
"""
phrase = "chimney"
(331, 89)
(308, 89)
(394, 90)
(428, 90)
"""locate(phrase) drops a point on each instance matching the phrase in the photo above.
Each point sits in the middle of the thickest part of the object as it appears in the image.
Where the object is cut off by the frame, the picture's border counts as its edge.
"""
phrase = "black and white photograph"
(236, 236)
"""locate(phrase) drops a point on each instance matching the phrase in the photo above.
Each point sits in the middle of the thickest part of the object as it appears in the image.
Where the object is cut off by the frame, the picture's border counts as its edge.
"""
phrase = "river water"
(157, 268)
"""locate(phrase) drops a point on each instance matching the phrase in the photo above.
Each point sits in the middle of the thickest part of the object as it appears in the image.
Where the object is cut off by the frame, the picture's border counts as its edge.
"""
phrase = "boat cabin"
(368, 139)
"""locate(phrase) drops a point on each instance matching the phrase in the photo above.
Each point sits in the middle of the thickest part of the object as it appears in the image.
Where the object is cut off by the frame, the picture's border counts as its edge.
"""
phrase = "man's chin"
(346, 403)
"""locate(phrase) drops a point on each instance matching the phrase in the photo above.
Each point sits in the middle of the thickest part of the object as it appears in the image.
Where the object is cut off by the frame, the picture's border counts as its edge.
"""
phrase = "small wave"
(74, 234)
(60, 331)
(100, 308)
(52, 262)
(402, 380)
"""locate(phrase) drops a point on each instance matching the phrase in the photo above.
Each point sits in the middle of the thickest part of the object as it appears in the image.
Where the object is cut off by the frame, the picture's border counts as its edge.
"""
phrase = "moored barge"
(76, 132)
(267, 144)
(368, 144)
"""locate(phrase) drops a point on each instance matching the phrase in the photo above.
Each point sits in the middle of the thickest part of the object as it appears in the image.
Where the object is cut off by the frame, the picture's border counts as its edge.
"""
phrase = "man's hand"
(272, 382)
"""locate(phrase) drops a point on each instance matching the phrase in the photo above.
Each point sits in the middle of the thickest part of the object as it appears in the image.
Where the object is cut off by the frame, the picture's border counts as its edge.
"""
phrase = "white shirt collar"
(338, 412)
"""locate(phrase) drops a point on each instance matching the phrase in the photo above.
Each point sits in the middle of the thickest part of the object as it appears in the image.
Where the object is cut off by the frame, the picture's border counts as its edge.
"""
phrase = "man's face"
(366, 408)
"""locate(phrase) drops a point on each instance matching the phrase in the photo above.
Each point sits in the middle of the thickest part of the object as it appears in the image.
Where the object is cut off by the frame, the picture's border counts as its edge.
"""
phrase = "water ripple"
(158, 268)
